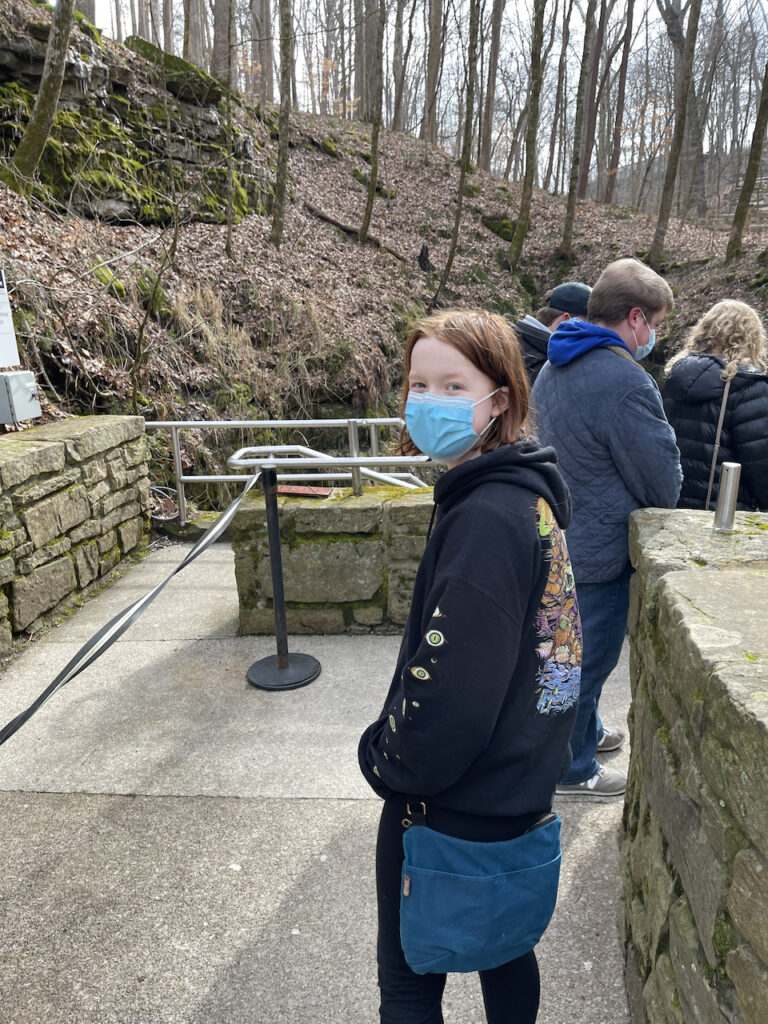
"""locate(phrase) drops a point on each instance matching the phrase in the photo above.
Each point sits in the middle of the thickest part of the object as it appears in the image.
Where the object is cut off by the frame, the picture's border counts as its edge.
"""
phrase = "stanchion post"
(285, 671)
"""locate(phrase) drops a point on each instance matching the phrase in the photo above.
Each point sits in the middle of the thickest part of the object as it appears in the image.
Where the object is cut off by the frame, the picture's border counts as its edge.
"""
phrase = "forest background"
(337, 167)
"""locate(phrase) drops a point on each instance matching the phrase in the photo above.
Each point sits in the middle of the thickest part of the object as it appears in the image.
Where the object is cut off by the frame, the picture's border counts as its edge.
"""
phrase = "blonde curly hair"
(730, 329)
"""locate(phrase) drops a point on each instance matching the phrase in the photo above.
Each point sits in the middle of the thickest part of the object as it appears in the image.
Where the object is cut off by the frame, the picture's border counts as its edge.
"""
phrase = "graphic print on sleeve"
(557, 624)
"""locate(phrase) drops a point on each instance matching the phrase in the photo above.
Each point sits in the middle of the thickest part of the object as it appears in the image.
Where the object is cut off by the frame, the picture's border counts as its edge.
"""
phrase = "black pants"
(510, 992)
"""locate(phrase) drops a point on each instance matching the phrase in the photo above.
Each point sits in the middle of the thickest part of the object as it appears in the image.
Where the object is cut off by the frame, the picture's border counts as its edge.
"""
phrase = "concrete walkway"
(181, 848)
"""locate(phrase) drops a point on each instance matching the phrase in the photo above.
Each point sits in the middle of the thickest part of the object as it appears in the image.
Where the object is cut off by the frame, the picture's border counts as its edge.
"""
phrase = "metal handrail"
(359, 466)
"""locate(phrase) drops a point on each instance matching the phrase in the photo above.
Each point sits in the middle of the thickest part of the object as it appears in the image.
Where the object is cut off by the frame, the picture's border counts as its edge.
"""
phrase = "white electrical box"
(9, 352)
(18, 396)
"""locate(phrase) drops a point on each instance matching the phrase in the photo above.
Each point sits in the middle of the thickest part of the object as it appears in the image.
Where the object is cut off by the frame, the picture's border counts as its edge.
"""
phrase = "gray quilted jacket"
(603, 414)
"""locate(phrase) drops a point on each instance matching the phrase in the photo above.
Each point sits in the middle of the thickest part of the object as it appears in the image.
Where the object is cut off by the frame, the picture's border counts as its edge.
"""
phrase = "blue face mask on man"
(441, 425)
(643, 350)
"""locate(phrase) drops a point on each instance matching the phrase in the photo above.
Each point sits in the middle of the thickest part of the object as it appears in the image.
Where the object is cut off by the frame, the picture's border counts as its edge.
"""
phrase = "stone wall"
(74, 500)
(694, 849)
(348, 563)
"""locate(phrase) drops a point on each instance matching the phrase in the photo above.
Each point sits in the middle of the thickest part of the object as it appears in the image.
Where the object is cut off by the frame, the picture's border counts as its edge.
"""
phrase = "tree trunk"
(284, 123)
(359, 63)
(88, 9)
(30, 149)
(398, 119)
(753, 166)
(342, 51)
(118, 9)
(537, 73)
(195, 49)
(490, 95)
(466, 151)
(379, 89)
(613, 166)
(168, 26)
(558, 95)
(565, 249)
(590, 119)
(676, 146)
(220, 63)
(429, 122)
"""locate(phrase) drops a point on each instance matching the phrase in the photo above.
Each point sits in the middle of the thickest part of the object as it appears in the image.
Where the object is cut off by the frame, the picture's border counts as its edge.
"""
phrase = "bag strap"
(726, 389)
(416, 814)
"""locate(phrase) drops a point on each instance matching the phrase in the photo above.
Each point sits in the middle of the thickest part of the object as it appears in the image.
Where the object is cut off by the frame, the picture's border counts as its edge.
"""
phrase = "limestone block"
(6, 638)
(94, 471)
(41, 590)
(136, 452)
(86, 558)
(659, 994)
(406, 548)
(399, 594)
(351, 514)
(95, 494)
(12, 540)
(667, 540)
(649, 872)
(107, 542)
(635, 981)
(129, 534)
(321, 621)
(702, 876)
(750, 979)
(120, 514)
(54, 516)
(117, 472)
(143, 491)
(698, 1000)
(748, 901)
(8, 518)
(372, 615)
(40, 489)
(115, 499)
(108, 561)
(333, 572)
(408, 514)
(42, 555)
(638, 920)
(86, 436)
(86, 531)
(23, 457)
(7, 570)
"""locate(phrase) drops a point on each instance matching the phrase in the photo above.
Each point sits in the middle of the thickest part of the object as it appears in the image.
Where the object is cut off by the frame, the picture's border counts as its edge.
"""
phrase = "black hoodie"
(480, 709)
(693, 396)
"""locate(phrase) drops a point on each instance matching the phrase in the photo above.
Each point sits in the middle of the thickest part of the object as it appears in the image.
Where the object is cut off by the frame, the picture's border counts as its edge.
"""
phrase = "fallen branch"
(353, 231)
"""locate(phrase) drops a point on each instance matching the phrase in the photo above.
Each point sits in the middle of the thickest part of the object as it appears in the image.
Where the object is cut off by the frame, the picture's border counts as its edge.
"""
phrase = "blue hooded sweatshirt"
(575, 337)
(602, 414)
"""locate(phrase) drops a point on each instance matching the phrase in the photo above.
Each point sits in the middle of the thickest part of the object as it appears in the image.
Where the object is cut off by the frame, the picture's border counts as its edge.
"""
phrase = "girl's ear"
(500, 402)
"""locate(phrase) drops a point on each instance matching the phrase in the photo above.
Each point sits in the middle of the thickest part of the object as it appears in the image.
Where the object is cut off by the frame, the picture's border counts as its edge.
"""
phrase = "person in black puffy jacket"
(728, 343)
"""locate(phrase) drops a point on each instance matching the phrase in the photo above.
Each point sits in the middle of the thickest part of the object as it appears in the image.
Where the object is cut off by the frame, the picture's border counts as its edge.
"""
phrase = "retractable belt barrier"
(115, 628)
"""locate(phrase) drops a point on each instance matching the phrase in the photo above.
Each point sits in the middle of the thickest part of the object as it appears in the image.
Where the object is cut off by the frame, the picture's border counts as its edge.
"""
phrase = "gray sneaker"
(611, 739)
(605, 782)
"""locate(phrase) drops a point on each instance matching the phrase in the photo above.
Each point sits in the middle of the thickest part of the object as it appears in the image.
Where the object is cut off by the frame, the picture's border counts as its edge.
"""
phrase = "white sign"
(9, 350)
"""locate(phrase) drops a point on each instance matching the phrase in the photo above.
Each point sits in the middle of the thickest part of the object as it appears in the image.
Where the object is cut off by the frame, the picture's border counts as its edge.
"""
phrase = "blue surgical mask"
(643, 350)
(441, 425)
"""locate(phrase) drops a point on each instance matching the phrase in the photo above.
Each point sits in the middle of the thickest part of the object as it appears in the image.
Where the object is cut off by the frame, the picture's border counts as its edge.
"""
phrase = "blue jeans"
(603, 608)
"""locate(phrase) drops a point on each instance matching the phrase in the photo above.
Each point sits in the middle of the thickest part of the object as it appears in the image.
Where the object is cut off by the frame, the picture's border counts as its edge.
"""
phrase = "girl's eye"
(416, 386)
(454, 387)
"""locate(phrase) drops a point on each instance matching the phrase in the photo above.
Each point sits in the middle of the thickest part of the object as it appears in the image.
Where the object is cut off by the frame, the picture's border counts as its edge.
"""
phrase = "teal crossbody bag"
(469, 906)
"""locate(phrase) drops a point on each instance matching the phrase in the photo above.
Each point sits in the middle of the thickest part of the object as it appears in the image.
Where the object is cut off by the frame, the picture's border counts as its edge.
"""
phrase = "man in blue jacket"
(603, 414)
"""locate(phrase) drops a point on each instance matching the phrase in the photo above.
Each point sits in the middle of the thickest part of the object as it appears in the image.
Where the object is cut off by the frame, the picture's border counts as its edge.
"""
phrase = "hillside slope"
(159, 319)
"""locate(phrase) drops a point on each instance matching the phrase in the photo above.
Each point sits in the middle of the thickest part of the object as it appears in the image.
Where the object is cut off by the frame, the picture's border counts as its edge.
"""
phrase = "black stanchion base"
(266, 674)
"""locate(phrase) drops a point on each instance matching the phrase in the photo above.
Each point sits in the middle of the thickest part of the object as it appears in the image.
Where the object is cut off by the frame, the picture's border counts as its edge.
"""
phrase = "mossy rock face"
(501, 226)
(184, 79)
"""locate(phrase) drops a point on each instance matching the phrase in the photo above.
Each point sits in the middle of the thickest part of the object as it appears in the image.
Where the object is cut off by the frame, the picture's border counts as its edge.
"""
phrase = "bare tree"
(194, 32)
(429, 121)
(30, 149)
(613, 166)
(284, 122)
(565, 249)
(559, 98)
(524, 216)
(590, 102)
(220, 60)
(379, 89)
(676, 146)
(88, 9)
(750, 177)
(490, 94)
(466, 149)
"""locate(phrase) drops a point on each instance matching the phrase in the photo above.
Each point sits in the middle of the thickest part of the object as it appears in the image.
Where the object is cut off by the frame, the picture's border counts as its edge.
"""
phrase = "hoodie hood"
(696, 378)
(574, 337)
(523, 464)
